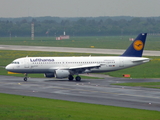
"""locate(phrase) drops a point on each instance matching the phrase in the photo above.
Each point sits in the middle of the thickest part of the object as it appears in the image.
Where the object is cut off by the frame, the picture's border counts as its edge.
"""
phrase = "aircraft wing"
(85, 66)
(90, 66)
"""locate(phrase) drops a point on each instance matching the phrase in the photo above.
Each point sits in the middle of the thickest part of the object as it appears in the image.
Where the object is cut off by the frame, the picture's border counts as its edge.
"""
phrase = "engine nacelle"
(61, 74)
(87, 71)
(49, 75)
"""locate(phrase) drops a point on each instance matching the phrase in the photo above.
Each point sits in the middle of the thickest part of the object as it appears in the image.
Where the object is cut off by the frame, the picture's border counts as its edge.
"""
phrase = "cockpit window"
(15, 63)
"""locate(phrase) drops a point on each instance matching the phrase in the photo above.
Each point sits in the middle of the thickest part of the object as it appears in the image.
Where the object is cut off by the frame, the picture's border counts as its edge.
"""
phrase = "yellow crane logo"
(138, 45)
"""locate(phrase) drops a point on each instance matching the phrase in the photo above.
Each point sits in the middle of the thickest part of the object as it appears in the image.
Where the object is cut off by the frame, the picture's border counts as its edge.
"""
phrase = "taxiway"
(75, 50)
(96, 91)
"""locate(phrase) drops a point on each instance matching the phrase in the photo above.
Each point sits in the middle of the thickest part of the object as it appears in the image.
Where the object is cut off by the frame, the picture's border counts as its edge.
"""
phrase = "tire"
(78, 78)
(25, 79)
(70, 78)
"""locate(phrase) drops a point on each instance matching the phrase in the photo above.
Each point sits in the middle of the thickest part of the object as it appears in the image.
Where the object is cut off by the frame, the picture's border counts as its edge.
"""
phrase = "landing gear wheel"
(25, 79)
(70, 78)
(78, 78)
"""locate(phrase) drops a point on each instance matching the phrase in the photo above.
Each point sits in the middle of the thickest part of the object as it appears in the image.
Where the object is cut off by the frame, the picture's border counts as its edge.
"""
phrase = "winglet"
(137, 46)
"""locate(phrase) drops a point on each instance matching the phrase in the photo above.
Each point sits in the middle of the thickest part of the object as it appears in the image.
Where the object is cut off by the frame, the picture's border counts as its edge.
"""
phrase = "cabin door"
(26, 63)
(121, 62)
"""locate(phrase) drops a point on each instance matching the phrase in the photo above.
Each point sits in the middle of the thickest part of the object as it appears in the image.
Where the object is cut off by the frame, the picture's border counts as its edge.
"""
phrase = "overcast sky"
(79, 8)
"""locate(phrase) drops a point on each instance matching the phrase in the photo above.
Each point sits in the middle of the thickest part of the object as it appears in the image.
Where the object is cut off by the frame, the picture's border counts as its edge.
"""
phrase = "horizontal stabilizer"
(141, 60)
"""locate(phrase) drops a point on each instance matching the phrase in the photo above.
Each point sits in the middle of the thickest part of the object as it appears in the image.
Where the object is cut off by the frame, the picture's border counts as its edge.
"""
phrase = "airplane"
(66, 67)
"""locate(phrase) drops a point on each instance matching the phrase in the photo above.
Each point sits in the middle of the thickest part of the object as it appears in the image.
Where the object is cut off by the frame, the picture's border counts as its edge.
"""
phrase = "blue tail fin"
(137, 46)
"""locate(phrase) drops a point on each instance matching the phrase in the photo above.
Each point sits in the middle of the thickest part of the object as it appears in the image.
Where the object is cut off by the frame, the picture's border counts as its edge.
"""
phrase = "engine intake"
(61, 73)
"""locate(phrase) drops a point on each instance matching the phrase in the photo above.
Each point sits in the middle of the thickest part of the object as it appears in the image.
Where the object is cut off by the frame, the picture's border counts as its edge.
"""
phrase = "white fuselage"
(50, 64)
(63, 67)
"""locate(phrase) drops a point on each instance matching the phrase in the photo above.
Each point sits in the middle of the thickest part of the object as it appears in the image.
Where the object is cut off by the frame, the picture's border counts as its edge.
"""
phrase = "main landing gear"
(70, 78)
(25, 78)
(78, 78)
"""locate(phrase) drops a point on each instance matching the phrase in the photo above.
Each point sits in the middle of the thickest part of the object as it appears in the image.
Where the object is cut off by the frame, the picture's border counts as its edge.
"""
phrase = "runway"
(96, 91)
(75, 50)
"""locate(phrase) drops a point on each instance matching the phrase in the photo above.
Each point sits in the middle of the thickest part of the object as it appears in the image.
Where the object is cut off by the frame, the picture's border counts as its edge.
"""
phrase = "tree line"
(101, 26)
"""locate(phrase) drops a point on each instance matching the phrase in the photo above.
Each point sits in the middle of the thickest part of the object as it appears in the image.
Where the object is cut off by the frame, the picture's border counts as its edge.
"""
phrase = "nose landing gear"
(25, 78)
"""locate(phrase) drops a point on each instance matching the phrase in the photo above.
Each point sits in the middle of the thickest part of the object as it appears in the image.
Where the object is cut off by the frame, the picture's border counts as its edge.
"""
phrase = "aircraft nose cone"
(8, 67)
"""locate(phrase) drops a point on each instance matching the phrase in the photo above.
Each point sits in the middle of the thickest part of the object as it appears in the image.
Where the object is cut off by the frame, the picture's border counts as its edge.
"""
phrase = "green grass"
(143, 84)
(106, 42)
(15, 107)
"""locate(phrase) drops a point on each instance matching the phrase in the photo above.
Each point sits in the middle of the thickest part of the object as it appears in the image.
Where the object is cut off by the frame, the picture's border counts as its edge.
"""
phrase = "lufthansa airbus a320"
(66, 67)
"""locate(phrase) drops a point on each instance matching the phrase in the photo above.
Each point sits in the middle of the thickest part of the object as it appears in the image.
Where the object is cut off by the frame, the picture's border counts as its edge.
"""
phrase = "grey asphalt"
(96, 91)
(76, 50)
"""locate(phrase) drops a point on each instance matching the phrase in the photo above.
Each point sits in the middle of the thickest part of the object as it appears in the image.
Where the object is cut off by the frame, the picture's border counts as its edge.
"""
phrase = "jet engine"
(49, 75)
(61, 73)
